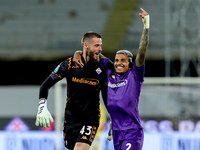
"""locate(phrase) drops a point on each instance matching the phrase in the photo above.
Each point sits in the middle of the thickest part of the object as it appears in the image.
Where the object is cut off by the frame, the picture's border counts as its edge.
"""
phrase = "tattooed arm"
(140, 57)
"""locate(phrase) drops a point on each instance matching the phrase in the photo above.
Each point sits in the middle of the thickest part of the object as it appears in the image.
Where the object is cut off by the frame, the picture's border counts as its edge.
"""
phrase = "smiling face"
(93, 49)
(121, 63)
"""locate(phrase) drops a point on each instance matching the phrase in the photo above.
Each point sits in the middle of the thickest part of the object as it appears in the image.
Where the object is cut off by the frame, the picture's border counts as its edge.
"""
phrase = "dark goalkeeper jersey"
(83, 88)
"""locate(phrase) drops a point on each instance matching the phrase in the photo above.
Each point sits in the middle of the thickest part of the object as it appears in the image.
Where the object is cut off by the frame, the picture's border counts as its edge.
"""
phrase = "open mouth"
(96, 55)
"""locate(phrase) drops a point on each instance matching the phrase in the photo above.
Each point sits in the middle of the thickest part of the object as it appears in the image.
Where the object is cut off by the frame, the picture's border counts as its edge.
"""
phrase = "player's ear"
(85, 45)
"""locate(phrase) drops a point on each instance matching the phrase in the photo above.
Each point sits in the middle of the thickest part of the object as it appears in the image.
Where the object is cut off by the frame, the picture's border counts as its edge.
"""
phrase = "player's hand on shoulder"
(43, 117)
(77, 59)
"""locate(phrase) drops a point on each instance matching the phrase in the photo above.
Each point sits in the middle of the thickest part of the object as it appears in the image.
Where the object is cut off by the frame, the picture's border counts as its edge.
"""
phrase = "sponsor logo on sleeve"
(56, 70)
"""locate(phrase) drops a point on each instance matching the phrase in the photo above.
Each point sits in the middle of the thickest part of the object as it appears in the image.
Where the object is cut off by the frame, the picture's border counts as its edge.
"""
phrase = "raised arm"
(140, 57)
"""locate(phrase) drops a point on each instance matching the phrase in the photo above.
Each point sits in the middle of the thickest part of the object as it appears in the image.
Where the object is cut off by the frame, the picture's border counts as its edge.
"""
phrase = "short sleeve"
(106, 63)
(139, 72)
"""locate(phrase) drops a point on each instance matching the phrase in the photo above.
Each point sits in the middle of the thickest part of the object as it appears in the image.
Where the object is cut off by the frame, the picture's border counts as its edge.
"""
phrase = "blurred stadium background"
(35, 36)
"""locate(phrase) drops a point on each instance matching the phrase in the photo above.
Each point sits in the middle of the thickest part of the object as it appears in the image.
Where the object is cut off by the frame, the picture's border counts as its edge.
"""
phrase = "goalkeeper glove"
(43, 117)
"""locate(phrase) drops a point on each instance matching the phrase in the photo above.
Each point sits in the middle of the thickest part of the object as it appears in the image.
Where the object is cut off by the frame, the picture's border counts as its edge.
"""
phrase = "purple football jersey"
(123, 96)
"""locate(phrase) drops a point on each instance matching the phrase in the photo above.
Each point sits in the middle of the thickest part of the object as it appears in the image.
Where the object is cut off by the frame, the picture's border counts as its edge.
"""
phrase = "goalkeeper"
(125, 79)
(82, 110)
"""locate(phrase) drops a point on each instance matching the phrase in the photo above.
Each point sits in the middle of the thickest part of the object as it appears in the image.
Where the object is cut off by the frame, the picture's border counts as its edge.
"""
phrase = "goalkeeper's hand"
(145, 18)
(43, 117)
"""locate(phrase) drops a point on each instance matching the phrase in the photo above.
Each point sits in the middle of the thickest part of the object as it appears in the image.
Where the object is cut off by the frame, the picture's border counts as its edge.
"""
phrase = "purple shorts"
(131, 139)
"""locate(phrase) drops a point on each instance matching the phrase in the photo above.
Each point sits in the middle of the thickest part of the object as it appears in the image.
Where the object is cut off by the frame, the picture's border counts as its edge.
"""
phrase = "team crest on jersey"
(98, 70)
